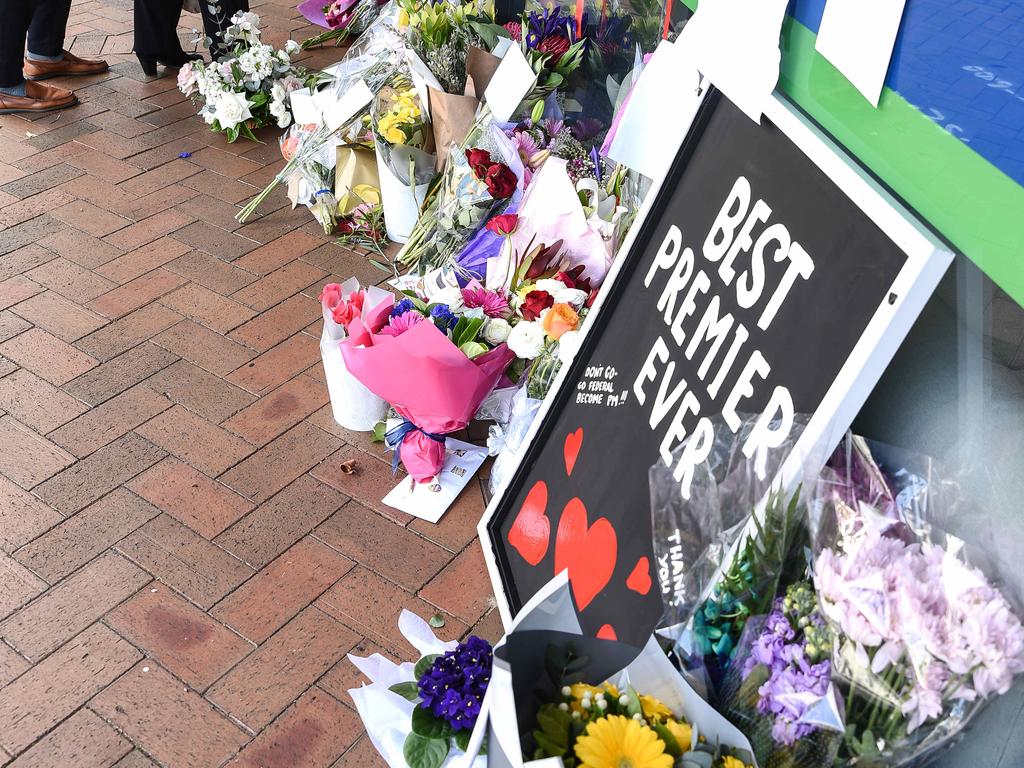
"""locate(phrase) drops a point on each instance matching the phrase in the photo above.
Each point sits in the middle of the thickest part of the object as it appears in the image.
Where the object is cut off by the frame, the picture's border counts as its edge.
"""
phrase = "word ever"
(740, 243)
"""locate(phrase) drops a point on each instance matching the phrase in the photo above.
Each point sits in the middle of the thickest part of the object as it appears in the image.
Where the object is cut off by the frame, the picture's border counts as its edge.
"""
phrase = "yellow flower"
(393, 136)
(403, 19)
(732, 762)
(621, 742)
(681, 732)
(654, 709)
(579, 690)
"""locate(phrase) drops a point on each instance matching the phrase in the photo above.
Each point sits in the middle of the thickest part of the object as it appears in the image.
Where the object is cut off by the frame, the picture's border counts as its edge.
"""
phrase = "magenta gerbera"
(493, 303)
(399, 324)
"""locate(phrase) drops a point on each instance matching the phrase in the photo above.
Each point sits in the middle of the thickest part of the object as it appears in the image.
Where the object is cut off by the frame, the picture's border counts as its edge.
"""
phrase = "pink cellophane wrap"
(426, 378)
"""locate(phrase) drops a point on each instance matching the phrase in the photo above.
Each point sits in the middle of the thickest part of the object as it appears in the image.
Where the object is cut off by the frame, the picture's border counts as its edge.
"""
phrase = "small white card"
(652, 127)
(339, 112)
(429, 501)
(735, 44)
(512, 81)
(857, 37)
(305, 109)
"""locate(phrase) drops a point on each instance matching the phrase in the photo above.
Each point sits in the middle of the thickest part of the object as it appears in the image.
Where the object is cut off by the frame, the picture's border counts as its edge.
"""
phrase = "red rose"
(556, 46)
(479, 160)
(504, 225)
(500, 181)
(535, 303)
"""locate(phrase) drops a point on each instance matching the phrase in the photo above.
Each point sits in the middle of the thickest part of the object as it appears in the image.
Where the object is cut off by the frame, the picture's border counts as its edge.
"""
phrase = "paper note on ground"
(652, 126)
(429, 501)
(512, 81)
(735, 44)
(857, 37)
(348, 106)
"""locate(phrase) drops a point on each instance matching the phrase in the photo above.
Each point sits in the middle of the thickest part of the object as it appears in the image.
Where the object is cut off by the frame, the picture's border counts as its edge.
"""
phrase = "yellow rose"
(681, 732)
(394, 136)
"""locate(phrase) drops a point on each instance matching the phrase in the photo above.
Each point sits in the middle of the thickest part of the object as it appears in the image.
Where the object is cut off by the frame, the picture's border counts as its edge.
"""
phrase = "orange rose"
(559, 319)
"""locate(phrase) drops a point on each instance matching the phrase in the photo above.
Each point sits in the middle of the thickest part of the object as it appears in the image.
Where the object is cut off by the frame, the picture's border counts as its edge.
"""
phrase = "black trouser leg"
(215, 24)
(156, 25)
(15, 15)
(48, 25)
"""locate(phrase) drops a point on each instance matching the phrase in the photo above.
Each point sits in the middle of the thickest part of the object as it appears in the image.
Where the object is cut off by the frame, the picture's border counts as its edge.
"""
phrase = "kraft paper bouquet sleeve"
(429, 380)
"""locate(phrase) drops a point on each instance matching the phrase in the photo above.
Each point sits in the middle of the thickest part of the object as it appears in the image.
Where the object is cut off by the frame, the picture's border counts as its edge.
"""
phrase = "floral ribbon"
(394, 438)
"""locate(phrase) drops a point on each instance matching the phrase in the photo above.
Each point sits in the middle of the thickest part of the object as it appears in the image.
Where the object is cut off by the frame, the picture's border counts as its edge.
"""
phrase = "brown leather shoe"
(69, 65)
(37, 98)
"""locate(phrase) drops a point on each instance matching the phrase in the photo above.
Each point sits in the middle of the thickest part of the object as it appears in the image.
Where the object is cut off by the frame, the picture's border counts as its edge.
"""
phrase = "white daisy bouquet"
(249, 88)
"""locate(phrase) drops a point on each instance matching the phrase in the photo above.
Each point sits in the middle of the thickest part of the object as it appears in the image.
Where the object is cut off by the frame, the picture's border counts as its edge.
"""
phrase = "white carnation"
(568, 346)
(496, 330)
(550, 285)
(572, 296)
(526, 339)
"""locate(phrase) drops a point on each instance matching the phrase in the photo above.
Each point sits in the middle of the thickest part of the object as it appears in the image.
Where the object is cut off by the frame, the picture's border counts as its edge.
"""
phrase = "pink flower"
(339, 13)
(526, 146)
(342, 310)
(187, 79)
(399, 324)
(493, 303)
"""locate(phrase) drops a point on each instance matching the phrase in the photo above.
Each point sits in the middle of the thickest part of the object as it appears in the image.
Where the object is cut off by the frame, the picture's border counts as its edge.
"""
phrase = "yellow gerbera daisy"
(621, 742)
(683, 734)
(654, 709)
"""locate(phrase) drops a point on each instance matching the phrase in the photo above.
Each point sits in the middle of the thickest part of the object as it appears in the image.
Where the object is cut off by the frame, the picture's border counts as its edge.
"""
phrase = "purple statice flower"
(454, 685)
(443, 317)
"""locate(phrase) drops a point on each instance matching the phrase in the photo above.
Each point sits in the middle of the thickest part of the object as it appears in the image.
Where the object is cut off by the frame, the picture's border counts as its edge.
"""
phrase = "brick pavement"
(184, 561)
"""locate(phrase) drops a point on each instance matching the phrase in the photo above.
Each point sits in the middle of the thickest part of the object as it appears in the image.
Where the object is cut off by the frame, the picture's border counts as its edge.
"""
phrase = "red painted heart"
(588, 553)
(607, 632)
(571, 449)
(531, 530)
(640, 579)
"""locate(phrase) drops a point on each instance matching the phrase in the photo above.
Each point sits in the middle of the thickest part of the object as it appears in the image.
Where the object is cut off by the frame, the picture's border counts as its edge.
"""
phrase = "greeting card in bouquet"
(429, 501)
(509, 85)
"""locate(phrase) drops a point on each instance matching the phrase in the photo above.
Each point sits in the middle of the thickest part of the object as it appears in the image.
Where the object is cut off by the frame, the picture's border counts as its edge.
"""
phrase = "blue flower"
(443, 317)
(401, 307)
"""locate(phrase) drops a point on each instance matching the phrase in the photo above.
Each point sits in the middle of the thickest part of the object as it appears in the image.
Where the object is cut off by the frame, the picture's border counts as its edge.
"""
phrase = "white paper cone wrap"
(401, 206)
(354, 406)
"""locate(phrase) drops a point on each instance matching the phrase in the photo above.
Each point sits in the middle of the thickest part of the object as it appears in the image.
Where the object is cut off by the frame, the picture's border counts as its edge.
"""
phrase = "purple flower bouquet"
(922, 637)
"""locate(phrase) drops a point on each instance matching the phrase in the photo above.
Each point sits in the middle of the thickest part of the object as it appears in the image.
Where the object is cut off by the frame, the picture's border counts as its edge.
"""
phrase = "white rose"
(231, 109)
(568, 346)
(450, 295)
(573, 296)
(476, 313)
(526, 339)
(496, 330)
(292, 47)
(550, 285)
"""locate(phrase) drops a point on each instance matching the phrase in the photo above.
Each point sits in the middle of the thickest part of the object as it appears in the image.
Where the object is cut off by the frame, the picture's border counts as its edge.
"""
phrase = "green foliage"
(424, 664)
(421, 752)
(408, 690)
(427, 725)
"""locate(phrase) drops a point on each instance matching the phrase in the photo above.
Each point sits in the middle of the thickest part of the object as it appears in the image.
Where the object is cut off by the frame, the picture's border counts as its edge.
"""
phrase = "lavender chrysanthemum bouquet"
(923, 637)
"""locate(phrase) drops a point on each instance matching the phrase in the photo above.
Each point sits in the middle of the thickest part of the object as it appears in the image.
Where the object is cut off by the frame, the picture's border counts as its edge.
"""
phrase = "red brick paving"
(183, 562)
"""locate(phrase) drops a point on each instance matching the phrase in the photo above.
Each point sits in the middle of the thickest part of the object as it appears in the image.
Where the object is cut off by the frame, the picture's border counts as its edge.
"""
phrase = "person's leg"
(16, 15)
(46, 30)
(214, 24)
(156, 24)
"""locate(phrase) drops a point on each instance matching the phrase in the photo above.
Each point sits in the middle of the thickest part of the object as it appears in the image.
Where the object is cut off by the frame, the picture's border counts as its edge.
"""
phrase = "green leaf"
(633, 705)
(697, 760)
(407, 690)
(461, 739)
(473, 349)
(671, 745)
(436, 621)
(425, 724)
(421, 752)
(378, 431)
(423, 665)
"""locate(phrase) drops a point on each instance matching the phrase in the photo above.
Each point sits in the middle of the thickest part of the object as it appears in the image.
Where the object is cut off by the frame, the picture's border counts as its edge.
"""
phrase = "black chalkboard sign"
(761, 282)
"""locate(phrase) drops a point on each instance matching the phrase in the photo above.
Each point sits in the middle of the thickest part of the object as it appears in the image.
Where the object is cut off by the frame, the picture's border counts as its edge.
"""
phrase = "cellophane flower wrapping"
(914, 589)
(722, 549)
(428, 380)
(547, 630)
(386, 715)
(506, 438)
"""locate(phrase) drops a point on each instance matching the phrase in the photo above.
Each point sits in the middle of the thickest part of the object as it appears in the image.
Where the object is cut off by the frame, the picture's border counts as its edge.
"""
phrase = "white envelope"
(339, 112)
(305, 109)
(429, 501)
(652, 127)
(735, 44)
(512, 81)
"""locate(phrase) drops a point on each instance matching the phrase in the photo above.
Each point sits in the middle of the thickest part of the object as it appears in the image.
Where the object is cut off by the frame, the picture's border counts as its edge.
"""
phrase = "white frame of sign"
(927, 261)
